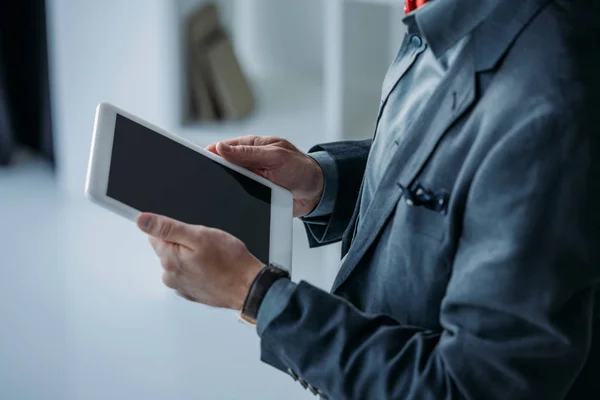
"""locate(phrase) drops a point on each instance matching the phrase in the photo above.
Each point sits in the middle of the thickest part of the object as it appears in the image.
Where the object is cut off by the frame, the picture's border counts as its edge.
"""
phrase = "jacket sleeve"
(517, 316)
(344, 172)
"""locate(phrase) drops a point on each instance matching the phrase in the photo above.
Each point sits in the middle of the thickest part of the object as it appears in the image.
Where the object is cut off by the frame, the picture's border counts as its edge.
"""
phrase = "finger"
(244, 140)
(163, 248)
(253, 157)
(167, 253)
(185, 296)
(212, 148)
(170, 263)
(170, 280)
(157, 244)
(167, 229)
(251, 140)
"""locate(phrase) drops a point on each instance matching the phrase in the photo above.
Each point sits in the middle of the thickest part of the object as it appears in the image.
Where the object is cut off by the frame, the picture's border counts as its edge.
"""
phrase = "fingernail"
(227, 148)
(145, 222)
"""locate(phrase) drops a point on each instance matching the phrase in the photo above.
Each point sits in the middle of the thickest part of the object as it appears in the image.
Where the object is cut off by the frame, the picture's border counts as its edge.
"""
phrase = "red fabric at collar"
(412, 5)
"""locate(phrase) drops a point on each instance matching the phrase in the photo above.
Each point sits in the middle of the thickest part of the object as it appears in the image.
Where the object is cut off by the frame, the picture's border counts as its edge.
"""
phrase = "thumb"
(167, 229)
(253, 157)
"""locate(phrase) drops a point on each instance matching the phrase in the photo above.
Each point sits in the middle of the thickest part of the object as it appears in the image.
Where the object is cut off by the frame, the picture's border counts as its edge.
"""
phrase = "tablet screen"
(153, 173)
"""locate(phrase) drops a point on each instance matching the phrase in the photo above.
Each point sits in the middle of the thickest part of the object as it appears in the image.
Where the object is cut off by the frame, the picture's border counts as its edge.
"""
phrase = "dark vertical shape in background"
(24, 82)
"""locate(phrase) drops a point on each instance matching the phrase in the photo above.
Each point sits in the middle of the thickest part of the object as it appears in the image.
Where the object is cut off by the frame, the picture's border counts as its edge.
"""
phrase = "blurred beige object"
(232, 90)
(200, 25)
(219, 86)
(201, 105)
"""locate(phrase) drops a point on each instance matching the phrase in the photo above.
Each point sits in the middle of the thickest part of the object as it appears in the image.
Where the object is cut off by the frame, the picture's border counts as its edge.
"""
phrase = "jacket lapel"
(490, 40)
(454, 95)
(395, 73)
(398, 70)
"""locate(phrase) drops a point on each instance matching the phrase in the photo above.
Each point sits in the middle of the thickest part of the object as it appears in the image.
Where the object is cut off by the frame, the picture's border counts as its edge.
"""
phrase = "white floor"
(84, 315)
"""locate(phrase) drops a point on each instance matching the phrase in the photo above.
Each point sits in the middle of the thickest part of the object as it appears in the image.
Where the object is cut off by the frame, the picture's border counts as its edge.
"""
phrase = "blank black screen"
(153, 173)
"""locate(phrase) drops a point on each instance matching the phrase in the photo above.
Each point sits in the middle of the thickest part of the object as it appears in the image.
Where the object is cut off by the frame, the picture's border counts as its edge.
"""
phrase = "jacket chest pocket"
(409, 256)
(418, 220)
(423, 212)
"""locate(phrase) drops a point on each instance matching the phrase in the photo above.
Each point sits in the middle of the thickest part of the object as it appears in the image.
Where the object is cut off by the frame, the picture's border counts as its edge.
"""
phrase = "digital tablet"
(136, 167)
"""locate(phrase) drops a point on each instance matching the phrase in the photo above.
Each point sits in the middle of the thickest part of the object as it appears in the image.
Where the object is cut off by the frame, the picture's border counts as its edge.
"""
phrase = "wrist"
(327, 184)
(258, 290)
(248, 277)
(317, 181)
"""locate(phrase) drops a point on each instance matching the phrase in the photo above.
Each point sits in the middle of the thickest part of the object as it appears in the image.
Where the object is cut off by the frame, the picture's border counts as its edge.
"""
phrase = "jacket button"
(312, 389)
(303, 383)
(292, 374)
(416, 41)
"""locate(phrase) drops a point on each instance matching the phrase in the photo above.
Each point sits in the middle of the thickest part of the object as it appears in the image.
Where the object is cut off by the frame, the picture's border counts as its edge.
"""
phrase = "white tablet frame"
(280, 247)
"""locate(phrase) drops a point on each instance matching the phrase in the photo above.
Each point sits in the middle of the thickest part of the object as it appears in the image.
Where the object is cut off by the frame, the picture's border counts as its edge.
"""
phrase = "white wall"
(125, 335)
(126, 52)
(106, 50)
(33, 348)
(282, 36)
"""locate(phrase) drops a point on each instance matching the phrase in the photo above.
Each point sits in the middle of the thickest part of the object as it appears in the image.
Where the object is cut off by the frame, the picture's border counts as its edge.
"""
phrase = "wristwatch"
(258, 290)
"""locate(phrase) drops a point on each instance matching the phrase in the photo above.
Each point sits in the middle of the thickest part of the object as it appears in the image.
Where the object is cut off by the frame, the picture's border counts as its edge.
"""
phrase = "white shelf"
(288, 107)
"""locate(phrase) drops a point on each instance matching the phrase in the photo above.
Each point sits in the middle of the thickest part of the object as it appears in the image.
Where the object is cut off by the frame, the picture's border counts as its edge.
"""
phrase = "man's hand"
(280, 162)
(202, 264)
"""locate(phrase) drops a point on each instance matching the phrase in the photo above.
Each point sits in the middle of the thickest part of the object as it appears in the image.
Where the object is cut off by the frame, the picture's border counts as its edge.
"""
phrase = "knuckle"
(289, 146)
(245, 140)
(169, 280)
(247, 150)
(185, 296)
(280, 153)
(200, 230)
(154, 242)
(163, 249)
(164, 230)
(200, 234)
(251, 139)
(169, 264)
(274, 140)
(266, 140)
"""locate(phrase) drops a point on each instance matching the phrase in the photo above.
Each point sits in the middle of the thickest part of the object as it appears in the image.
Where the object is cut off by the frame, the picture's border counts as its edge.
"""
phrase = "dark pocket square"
(418, 196)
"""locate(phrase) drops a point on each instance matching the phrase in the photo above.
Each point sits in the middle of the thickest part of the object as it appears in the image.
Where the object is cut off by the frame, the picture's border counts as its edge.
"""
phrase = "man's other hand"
(280, 162)
(204, 265)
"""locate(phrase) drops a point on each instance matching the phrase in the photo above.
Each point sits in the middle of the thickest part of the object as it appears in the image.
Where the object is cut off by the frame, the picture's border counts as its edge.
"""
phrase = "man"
(471, 249)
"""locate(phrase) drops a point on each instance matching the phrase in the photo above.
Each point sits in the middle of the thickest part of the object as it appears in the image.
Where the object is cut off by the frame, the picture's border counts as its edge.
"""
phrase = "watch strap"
(258, 290)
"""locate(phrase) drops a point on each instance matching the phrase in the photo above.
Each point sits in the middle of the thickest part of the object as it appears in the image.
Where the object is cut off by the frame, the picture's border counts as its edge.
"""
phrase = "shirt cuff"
(330, 188)
(274, 303)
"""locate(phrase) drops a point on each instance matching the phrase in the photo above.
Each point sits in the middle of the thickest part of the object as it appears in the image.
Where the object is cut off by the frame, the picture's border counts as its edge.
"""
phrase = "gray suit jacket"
(493, 295)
